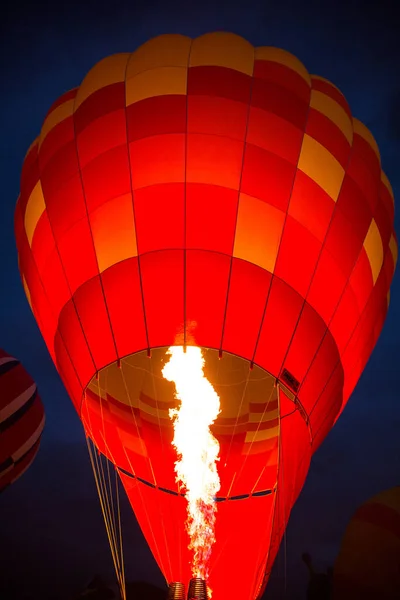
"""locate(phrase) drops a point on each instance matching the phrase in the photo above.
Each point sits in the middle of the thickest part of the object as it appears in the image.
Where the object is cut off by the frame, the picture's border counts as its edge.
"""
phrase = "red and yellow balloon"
(22, 420)
(206, 192)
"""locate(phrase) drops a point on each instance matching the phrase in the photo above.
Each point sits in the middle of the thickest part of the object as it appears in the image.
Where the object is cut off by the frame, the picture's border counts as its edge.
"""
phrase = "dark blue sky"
(51, 533)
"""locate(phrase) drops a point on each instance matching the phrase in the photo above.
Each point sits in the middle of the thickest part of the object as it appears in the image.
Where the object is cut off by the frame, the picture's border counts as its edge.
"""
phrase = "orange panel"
(222, 50)
(113, 231)
(258, 232)
(162, 51)
(319, 164)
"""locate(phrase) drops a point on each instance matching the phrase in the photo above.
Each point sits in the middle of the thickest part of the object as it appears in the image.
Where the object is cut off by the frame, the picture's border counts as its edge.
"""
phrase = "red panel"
(384, 223)
(60, 169)
(283, 309)
(342, 243)
(158, 159)
(121, 284)
(210, 217)
(327, 286)
(29, 176)
(214, 160)
(159, 217)
(361, 280)
(162, 280)
(207, 275)
(267, 176)
(102, 134)
(320, 371)
(311, 206)
(219, 81)
(71, 332)
(42, 242)
(298, 255)
(92, 312)
(66, 205)
(217, 116)
(278, 100)
(364, 150)
(105, 100)
(306, 340)
(368, 183)
(248, 290)
(284, 76)
(156, 116)
(354, 207)
(387, 200)
(77, 255)
(275, 134)
(106, 177)
(328, 407)
(67, 372)
(59, 136)
(55, 283)
(322, 129)
(345, 318)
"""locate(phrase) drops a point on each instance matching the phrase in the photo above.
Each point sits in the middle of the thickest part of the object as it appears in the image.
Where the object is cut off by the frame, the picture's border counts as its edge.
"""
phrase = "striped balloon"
(368, 564)
(21, 420)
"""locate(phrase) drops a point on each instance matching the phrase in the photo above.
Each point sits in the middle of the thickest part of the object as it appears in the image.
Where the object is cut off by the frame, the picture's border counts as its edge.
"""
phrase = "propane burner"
(176, 591)
(197, 589)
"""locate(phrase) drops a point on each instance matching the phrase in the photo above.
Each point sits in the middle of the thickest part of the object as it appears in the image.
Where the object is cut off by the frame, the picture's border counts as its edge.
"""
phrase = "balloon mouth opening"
(131, 398)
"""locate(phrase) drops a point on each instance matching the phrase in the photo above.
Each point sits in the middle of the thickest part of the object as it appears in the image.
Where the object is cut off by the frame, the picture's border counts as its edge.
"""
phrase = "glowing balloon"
(208, 193)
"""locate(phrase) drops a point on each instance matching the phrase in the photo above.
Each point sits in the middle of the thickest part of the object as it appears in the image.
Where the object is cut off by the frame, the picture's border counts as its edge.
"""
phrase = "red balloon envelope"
(209, 193)
(21, 420)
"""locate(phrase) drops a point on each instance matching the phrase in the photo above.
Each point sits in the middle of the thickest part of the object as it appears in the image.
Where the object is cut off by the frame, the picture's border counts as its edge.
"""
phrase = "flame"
(197, 449)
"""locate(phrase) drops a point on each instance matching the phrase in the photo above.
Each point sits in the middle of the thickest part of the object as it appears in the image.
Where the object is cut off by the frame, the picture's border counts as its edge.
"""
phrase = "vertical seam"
(282, 234)
(90, 227)
(238, 200)
(133, 207)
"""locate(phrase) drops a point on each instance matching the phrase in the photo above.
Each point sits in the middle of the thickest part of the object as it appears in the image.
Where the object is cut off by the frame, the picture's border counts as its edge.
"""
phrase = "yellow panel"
(258, 232)
(261, 435)
(62, 112)
(321, 166)
(393, 249)
(162, 51)
(374, 249)
(336, 113)
(156, 82)
(284, 58)
(365, 133)
(222, 49)
(386, 182)
(34, 210)
(114, 231)
(110, 70)
(27, 292)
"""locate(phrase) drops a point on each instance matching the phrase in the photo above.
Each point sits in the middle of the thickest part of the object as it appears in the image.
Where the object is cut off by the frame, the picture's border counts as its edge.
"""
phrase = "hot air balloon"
(21, 420)
(207, 194)
(368, 564)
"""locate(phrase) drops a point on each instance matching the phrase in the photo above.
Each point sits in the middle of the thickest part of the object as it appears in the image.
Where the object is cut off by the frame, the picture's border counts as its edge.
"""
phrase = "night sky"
(52, 538)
